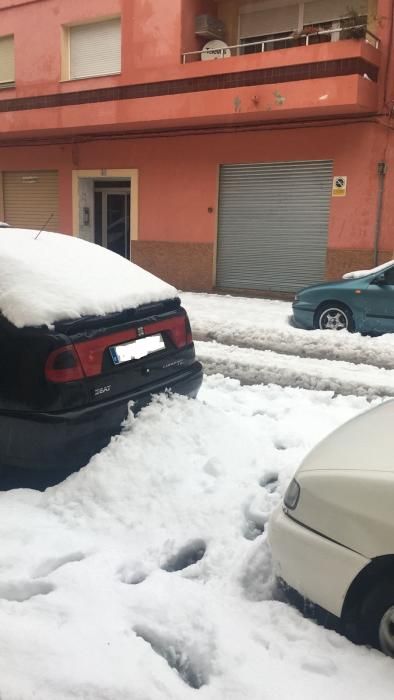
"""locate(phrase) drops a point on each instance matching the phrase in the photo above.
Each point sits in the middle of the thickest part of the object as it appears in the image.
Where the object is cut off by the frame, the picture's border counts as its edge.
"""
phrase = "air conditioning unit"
(209, 27)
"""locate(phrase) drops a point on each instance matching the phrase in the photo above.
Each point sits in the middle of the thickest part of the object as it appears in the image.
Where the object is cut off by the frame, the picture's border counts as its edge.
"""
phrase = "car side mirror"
(380, 279)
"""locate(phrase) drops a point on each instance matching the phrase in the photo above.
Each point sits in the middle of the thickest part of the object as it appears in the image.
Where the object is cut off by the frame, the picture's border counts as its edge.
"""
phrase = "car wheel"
(334, 317)
(377, 618)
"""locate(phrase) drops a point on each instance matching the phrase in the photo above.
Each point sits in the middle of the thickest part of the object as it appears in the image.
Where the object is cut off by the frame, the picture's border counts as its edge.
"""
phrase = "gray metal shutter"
(273, 225)
(30, 198)
(95, 49)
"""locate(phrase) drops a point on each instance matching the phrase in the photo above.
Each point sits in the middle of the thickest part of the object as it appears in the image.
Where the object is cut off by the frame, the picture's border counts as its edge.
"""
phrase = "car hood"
(327, 286)
(363, 443)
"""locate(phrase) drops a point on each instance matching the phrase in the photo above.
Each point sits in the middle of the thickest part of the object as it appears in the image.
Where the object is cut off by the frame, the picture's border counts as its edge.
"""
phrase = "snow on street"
(147, 575)
(264, 366)
(253, 340)
(264, 324)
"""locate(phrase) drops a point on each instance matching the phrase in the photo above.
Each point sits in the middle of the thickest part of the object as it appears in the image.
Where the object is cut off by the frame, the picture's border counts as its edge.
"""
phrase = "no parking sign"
(339, 186)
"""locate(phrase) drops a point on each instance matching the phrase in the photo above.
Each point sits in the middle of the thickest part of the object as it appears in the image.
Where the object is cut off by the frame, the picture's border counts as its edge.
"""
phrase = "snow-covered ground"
(147, 575)
(264, 324)
(254, 341)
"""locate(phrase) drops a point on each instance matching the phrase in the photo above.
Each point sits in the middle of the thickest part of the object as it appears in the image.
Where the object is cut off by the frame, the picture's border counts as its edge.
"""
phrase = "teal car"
(362, 301)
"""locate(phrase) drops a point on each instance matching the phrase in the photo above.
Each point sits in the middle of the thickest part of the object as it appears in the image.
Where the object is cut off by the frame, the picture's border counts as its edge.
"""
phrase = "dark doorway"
(112, 216)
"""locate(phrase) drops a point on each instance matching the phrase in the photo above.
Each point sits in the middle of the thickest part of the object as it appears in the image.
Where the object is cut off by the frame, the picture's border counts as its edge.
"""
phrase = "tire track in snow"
(344, 346)
(252, 366)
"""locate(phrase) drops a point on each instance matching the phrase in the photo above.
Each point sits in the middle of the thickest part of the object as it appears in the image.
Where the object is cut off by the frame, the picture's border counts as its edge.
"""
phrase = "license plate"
(136, 349)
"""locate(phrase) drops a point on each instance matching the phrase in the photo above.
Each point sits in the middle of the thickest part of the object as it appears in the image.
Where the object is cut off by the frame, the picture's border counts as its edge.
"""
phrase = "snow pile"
(55, 277)
(147, 575)
(264, 324)
(357, 274)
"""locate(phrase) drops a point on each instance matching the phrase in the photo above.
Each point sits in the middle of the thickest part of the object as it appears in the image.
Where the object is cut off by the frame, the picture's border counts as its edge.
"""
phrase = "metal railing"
(290, 41)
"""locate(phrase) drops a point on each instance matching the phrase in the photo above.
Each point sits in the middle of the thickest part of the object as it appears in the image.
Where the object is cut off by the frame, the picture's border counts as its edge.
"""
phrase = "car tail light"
(180, 331)
(189, 336)
(63, 365)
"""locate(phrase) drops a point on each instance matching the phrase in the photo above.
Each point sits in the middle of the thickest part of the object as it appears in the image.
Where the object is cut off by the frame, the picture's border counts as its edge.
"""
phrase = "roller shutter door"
(30, 198)
(273, 225)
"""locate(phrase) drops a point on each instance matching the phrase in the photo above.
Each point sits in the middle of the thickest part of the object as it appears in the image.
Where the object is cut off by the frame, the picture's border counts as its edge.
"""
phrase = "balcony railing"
(358, 31)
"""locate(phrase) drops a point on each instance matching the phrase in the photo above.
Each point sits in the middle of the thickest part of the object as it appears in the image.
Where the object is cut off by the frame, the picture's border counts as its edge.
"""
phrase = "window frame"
(5, 84)
(66, 48)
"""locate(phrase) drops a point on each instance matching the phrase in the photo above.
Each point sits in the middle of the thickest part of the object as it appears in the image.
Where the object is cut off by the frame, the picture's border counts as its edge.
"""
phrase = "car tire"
(334, 316)
(376, 626)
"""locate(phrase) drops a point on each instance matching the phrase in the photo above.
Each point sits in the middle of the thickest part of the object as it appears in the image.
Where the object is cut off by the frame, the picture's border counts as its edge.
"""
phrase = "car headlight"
(292, 495)
(296, 298)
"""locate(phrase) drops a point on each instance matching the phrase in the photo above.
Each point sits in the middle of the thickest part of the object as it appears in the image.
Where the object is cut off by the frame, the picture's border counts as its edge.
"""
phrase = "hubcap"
(386, 632)
(333, 320)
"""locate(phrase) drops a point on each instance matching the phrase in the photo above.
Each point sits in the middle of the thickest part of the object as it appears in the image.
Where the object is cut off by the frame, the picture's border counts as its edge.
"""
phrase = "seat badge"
(140, 331)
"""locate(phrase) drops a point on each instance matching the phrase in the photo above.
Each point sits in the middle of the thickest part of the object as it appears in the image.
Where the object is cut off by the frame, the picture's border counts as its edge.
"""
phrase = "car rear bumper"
(66, 441)
(319, 569)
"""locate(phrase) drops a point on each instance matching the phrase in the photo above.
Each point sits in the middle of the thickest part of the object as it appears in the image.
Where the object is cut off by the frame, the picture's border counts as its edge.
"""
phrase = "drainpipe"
(382, 170)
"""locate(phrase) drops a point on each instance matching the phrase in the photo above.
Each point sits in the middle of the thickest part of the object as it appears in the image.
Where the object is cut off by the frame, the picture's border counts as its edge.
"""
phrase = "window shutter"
(7, 60)
(267, 22)
(31, 198)
(320, 11)
(95, 49)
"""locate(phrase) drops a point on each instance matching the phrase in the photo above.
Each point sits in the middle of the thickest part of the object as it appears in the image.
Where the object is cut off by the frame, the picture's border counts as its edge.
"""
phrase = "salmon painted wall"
(176, 192)
(154, 35)
(155, 32)
(191, 10)
(37, 29)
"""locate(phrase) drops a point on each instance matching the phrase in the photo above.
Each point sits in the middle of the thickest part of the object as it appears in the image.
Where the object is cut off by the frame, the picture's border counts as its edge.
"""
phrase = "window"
(272, 42)
(7, 61)
(344, 28)
(389, 276)
(312, 22)
(94, 49)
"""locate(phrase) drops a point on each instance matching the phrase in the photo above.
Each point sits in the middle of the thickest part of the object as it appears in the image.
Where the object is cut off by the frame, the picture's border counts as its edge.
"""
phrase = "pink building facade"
(265, 169)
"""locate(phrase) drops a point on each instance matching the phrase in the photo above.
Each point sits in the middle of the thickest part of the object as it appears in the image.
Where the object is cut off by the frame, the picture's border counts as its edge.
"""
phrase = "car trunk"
(93, 359)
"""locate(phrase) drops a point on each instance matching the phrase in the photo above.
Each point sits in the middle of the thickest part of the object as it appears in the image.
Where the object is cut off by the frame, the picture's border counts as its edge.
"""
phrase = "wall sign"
(339, 186)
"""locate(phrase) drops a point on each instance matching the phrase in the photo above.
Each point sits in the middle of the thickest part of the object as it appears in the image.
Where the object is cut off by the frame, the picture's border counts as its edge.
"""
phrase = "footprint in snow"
(193, 671)
(320, 665)
(19, 591)
(48, 566)
(189, 554)
(270, 481)
(133, 578)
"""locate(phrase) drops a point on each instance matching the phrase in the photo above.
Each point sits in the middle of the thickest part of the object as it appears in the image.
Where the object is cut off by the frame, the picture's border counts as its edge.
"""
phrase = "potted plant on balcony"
(353, 25)
(299, 35)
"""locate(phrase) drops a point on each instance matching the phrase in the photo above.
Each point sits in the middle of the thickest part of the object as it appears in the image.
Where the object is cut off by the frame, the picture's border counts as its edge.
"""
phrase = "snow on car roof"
(363, 273)
(47, 277)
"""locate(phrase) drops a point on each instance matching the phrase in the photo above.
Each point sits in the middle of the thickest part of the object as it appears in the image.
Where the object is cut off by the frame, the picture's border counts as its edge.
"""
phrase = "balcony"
(317, 72)
(310, 37)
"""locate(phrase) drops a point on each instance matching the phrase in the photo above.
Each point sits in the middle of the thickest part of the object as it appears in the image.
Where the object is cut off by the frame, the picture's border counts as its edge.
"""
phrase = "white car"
(333, 538)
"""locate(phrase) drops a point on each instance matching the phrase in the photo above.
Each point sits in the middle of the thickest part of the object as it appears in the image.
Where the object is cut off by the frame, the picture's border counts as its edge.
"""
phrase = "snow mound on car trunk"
(51, 277)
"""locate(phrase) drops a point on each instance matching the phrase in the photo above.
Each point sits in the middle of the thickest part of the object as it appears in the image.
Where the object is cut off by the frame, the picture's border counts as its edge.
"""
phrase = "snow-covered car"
(362, 301)
(84, 332)
(332, 539)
